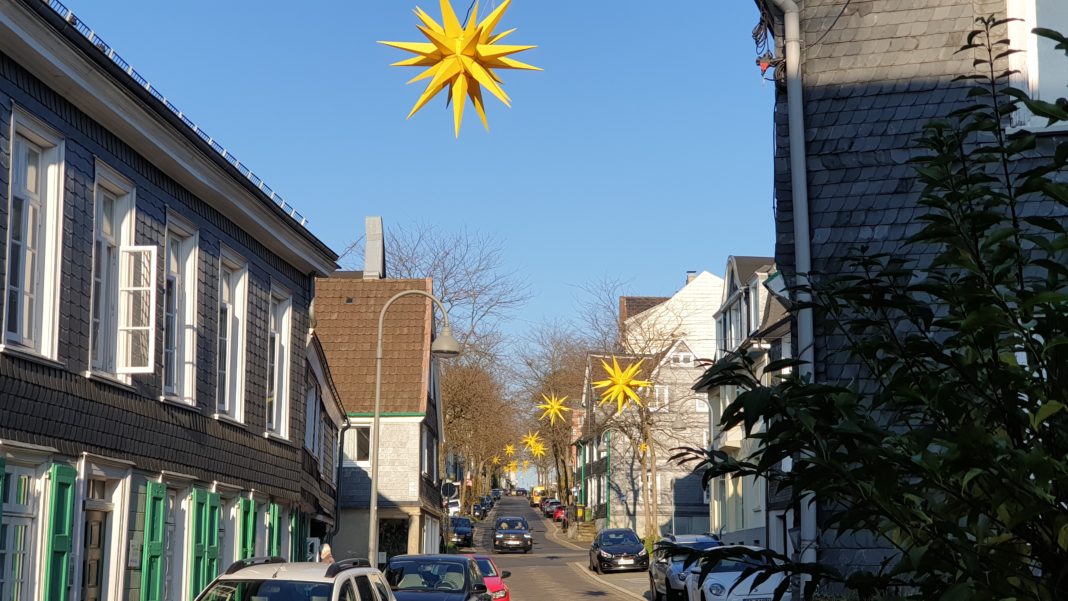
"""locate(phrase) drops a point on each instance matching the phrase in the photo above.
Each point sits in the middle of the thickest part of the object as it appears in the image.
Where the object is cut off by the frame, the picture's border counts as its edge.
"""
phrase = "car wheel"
(670, 593)
(653, 593)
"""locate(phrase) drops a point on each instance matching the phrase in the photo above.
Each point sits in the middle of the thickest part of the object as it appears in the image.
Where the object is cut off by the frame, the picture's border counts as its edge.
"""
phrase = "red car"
(559, 513)
(493, 577)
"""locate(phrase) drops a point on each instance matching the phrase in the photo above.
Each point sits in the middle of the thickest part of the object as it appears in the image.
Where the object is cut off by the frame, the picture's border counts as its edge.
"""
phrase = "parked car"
(550, 507)
(478, 511)
(463, 532)
(724, 576)
(668, 573)
(520, 492)
(493, 577)
(512, 534)
(487, 502)
(497, 494)
(454, 507)
(435, 578)
(261, 578)
(618, 549)
(559, 513)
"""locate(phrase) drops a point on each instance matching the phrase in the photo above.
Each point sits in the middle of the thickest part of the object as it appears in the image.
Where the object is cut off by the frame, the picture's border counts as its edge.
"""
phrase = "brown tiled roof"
(346, 322)
(629, 306)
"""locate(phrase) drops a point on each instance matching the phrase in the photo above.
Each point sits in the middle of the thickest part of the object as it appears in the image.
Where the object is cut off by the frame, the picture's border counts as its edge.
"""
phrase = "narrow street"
(552, 570)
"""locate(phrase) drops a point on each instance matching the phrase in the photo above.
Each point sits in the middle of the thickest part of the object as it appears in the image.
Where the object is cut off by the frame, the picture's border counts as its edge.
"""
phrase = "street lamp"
(445, 346)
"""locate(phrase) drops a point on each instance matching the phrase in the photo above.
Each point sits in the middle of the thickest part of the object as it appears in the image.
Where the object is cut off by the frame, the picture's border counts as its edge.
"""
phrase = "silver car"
(667, 574)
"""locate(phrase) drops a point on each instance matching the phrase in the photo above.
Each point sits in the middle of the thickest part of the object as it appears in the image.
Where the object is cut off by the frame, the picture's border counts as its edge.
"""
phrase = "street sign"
(449, 490)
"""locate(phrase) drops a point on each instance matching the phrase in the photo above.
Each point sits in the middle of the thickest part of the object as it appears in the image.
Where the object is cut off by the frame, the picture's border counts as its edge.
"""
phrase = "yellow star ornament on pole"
(496, 460)
(537, 450)
(531, 439)
(621, 384)
(509, 449)
(553, 408)
(462, 57)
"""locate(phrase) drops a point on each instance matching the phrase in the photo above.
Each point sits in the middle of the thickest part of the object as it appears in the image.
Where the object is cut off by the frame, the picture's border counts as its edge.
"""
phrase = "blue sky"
(642, 151)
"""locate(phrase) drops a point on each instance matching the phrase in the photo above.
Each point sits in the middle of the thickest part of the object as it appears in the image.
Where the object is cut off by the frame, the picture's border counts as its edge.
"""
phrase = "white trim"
(182, 228)
(279, 424)
(35, 45)
(1026, 62)
(237, 339)
(111, 470)
(349, 460)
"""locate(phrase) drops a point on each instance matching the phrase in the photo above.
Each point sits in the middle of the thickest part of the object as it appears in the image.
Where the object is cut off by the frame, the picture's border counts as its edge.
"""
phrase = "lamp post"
(444, 346)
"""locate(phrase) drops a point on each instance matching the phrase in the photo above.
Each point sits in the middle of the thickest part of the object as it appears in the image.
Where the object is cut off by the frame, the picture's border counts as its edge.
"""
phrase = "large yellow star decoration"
(537, 449)
(642, 448)
(509, 449)
(621, 385)
(531, 439)
(461, 57)
(526, 464)
(553, 408)
(513, 466)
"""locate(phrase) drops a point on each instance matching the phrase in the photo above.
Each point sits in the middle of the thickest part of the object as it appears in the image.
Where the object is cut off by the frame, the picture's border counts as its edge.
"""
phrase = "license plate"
(626, 562)
(513, 542)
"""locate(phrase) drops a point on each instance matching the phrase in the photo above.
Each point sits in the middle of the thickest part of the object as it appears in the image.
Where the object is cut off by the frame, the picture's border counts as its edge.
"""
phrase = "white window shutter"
(137, 310)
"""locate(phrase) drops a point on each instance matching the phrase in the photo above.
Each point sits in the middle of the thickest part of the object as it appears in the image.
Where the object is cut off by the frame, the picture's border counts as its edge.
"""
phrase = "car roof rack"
(253, 561)
(344, 564)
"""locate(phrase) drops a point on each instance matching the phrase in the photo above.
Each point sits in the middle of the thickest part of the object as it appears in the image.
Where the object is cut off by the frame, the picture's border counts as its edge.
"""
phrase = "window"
(684, 359)
(34, 227)
(661, 397)
(278, 338)
(1042, 67)
(754, 307)
(429, 458)
(179, 312)
(122, 331)
(363, 585)
(230, 343)
(358, 446)
(18, 533)
(313, 420)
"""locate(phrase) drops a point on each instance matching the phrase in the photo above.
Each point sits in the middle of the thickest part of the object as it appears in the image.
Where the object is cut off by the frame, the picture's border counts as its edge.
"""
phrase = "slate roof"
(346, 321)
(629, 306)
(745, 267)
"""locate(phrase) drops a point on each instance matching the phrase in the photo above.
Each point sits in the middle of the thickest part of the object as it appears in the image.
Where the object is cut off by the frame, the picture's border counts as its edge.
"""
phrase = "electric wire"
(833, 23)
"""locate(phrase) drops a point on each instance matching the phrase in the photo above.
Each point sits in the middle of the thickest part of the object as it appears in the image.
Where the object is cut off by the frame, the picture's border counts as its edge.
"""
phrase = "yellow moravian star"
(621, 385)
(537, 450)
(509, 449)
(531, 439)
(496, 460)
(462, 57)
(513, 466)
(526, 464)
(553, 408)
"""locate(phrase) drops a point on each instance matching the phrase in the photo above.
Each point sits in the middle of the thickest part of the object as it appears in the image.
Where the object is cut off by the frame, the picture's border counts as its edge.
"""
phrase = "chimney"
(374, 257)
(690, 276)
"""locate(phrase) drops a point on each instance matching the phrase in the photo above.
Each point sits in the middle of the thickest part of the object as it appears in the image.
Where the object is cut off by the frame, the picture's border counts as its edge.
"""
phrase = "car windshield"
(461, 523)
(255, 590)
(735, 565)
(620, 538)
(486, 567)
(426, 575)
(698, 545)
(515, 524)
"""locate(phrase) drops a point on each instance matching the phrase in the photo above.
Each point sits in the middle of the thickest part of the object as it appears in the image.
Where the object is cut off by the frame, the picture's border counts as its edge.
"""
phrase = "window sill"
(110, 379)
(223, 417)
(1038, 127)
(30, 355)
(177, 402)
(278, 438)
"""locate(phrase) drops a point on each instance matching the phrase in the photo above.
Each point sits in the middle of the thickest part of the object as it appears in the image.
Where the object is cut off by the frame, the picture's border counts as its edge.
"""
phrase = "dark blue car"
(463, 532)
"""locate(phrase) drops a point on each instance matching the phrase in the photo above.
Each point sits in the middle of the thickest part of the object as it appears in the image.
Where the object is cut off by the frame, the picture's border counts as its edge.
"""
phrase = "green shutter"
(152, 552)
(274, 530)
(60, 528)
(211, 543)
(196, 560)
(248, 528)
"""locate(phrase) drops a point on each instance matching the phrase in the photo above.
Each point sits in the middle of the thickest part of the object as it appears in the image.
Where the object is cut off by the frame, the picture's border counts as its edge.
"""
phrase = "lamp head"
(445, 345)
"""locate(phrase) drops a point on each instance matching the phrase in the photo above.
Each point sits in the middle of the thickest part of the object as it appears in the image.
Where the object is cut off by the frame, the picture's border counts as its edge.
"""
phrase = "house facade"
(868, 77)
(410, 514)
(156, 357)
(671, 335)
(750, 320)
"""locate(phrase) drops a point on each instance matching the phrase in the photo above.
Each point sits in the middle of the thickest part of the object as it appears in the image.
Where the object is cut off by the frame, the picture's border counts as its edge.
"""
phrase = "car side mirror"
(479, 587)
(506, 574)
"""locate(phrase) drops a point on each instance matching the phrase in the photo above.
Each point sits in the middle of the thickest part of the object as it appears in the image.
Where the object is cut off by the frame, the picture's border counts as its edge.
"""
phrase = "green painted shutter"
(211, 543)
(196, 560)
(60, 528)
(274, 529)
(152, 552)
(248, 528)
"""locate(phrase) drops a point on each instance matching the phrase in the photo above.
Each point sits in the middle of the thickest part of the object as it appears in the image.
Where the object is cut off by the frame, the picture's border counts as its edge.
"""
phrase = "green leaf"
(1046, 411)
(1062, 538)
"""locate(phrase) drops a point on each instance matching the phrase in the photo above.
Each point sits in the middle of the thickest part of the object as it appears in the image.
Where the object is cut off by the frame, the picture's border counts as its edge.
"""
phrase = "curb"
(552, 531)
(578, 567)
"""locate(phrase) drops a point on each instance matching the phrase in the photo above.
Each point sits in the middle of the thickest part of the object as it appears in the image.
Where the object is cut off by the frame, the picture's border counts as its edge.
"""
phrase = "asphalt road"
(552, 570)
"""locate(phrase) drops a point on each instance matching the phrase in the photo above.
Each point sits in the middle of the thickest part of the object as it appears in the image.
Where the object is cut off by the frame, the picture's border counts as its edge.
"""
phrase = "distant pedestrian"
(326, 554)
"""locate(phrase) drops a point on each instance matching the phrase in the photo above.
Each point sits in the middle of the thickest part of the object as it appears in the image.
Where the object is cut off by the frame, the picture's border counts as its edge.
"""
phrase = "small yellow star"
(537, 449)
(531, 439)
(509, 449)
(496, 460)
(554, 408)
(526, 464)
(642, 448)
(621, 384)
(513, 466)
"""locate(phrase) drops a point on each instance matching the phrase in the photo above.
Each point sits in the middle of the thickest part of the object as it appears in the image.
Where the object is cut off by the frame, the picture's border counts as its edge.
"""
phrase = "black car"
(478, 511)
(463, 532)
(512, 534)
(618, 549)
(436, 578)
(487, 502)
(497, 494)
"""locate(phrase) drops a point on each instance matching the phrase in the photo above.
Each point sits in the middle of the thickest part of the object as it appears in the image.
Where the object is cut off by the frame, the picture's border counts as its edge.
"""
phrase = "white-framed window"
(35, 215)
(358, 446)
(682, 359)
(754, 307)
(18, 533)
(278, 357)
(429, 459)
(179, 311)
(701, 404)
(231, 336)
(123, 319)
(1043, 70)
(661, 396)
(313, 420)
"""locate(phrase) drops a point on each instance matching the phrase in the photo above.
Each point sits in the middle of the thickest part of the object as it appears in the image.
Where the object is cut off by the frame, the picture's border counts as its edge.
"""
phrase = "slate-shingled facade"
(130, 474)
(873, 73)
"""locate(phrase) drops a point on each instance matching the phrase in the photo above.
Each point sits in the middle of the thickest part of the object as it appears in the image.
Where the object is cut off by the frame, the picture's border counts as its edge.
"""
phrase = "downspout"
(802, 241)
(337, 480)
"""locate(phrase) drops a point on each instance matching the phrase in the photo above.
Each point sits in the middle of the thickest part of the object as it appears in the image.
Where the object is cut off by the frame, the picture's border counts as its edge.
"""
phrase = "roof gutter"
(802, 241)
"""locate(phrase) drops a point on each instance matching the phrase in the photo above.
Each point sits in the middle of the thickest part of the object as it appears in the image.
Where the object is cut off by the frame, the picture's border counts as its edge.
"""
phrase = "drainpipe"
(337, 481)
(802, 242)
